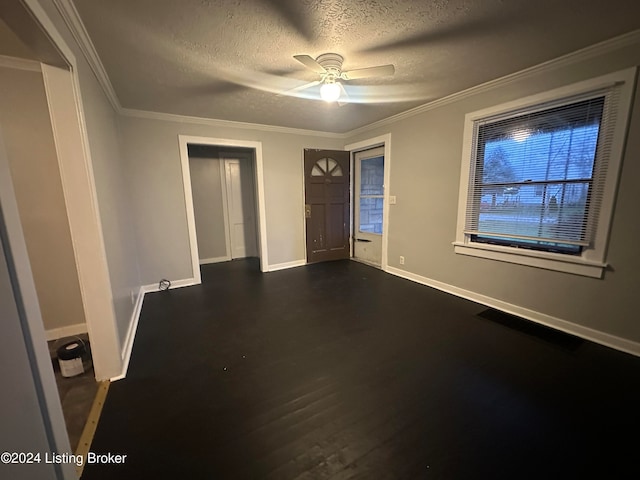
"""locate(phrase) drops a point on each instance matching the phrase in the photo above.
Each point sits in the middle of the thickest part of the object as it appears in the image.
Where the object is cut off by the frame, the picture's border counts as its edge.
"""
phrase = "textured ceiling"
(228, 59)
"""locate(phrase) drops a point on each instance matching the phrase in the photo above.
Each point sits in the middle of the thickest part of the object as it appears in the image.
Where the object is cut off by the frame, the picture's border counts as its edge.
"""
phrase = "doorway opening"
(223, 191)
(224, 197)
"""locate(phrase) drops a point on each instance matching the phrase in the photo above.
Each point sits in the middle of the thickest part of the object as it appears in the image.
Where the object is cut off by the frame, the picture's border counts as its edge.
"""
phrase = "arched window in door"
(326, 166)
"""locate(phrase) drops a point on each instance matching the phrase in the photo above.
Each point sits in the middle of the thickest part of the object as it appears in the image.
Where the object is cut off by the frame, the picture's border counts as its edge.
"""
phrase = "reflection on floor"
(76, 393)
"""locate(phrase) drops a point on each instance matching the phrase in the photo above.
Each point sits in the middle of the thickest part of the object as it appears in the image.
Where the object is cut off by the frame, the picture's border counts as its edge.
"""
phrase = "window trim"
(592, 261)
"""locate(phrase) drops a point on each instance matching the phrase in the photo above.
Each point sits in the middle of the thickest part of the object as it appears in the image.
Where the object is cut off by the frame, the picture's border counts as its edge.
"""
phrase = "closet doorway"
(223, 188)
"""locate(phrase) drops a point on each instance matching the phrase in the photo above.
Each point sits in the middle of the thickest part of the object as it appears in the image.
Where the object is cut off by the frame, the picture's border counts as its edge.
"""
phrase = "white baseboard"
(581, 331)
(67, 331)
(127, 347)
(283, 266)
(155, 287)
(206, 261)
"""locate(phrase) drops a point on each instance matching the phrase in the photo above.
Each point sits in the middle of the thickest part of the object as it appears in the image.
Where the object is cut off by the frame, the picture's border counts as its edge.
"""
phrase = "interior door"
(327, 178)
(241, 205)
(369, 205)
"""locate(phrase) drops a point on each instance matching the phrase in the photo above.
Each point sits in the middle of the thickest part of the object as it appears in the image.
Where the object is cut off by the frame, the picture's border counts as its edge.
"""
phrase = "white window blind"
(538, 175)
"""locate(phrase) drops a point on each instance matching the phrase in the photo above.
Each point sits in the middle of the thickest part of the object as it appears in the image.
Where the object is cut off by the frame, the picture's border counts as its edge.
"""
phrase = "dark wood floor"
(340, 371)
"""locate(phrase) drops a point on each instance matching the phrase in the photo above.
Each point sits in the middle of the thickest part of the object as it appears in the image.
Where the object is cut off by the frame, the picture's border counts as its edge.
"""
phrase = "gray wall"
(151, 148)
(36, 178)
(426, 154)
(208, 207)
(114, 199)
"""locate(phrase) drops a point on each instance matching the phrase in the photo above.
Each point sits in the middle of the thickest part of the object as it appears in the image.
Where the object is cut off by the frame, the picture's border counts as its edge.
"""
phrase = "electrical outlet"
(401, 260)
(392, 199)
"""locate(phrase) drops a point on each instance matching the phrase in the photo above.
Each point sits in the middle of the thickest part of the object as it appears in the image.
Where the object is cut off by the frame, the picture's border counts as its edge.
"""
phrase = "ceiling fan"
(329, 66)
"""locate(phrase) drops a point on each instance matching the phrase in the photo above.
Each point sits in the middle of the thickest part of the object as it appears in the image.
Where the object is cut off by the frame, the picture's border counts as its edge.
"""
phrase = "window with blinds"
(538, 175)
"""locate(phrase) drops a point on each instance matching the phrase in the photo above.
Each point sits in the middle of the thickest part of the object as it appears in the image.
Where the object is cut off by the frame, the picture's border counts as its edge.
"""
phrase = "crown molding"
(213, 122)
(20, 63)
(72, 19)
(626, 40)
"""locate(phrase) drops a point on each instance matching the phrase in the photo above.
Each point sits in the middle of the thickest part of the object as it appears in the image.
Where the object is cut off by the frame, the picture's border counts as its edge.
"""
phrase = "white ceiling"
(227, 59)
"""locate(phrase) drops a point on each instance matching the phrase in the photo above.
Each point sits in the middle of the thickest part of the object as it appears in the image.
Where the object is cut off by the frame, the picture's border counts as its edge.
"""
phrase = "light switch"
(392, 199)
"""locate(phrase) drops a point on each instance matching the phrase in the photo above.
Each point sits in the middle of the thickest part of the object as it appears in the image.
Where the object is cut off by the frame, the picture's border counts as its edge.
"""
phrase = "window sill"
(548, 261)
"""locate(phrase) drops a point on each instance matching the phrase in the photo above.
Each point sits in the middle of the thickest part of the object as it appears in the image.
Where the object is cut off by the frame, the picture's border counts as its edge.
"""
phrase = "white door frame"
(76, 171)
(184, 141)
(384, 141)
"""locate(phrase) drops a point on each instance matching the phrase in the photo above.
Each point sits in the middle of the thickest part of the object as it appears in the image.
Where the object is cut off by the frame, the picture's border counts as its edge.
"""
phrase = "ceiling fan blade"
(344, 96)
(295, 15)
(217, 87)
(301, 87)
(310, 63)
(463, 30)
(368, 72)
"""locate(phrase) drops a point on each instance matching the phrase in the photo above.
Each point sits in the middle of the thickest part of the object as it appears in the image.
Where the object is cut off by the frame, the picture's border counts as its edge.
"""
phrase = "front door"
(326, 174)
(369, 205)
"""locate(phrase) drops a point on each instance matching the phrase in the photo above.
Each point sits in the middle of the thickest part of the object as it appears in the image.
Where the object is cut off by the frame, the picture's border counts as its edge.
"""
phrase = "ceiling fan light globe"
(330, 92)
